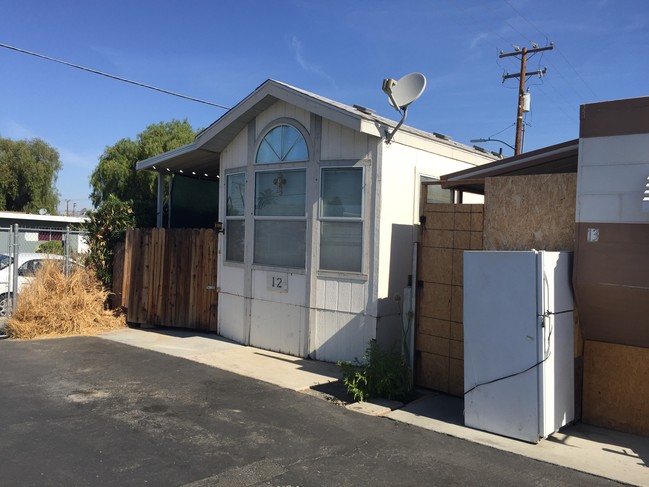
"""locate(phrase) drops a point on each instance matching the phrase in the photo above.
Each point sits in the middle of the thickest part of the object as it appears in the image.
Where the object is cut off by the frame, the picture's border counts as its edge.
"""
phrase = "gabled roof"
(559, 158)
(200, 158)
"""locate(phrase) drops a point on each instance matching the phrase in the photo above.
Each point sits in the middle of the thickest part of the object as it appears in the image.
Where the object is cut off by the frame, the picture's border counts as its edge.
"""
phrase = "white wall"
(339, 143)
(331, 315)
(401, 169)
(611, 179)
(343, 318)
(279, 110)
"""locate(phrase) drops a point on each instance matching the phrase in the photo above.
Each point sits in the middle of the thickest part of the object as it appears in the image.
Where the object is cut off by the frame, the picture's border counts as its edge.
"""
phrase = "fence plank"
(170, 277)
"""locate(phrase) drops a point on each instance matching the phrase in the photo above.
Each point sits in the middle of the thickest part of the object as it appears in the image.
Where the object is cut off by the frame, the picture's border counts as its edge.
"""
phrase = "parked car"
(27, 265)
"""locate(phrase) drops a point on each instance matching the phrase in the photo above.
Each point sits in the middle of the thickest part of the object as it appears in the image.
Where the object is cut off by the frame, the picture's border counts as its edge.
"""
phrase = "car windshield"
(4, 261)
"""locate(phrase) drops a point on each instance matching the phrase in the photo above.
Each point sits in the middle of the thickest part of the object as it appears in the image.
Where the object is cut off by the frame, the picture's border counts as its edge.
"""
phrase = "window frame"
(284, 167)
(229, 218)
(270, 128)
(342, 219)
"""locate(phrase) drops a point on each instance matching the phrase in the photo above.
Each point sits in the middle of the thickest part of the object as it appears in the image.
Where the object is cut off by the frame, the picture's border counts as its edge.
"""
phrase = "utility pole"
(522, 76)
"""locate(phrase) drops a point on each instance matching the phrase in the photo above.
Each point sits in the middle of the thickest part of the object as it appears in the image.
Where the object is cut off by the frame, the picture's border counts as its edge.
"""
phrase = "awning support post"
(160, 203)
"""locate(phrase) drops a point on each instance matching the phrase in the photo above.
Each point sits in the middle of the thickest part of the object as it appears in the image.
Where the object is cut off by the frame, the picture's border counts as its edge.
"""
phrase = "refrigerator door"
(502, 343)
(557, 373)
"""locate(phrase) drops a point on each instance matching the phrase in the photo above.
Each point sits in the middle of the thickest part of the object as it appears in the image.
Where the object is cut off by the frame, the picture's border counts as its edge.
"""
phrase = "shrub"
(380, 373)
(106, 226)
(51, 247)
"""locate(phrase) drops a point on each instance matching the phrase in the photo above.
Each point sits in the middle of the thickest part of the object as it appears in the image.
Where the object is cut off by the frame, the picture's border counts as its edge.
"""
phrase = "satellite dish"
(406, 90)
(401, 94)
(42, 211)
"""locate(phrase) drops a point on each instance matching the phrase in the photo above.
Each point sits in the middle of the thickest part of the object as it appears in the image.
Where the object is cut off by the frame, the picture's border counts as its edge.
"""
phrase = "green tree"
(28, 173)
(115, 173)
(105, 227)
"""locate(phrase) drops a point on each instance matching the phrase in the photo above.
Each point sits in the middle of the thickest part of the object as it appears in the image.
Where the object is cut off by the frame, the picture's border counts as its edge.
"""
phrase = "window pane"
(235, 234)
(281, 243)
(435, 194)
(293, 145)
(342, 192)
(284, 143)
(280, 193)
(341, 246)
(236, 192)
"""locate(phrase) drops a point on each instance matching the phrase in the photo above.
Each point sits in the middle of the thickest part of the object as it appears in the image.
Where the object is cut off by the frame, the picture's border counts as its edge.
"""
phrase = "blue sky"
(222, 50)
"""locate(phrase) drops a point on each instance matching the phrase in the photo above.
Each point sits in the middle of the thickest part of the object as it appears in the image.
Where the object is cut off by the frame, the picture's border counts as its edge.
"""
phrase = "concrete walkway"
(617, 456)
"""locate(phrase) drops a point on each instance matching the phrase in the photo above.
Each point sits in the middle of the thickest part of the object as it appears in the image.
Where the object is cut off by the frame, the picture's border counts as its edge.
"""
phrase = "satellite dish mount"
(401, 94)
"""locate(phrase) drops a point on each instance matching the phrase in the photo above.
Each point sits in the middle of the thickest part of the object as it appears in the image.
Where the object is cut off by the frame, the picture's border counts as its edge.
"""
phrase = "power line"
(522, 76)
(107, 75)
(558, 50)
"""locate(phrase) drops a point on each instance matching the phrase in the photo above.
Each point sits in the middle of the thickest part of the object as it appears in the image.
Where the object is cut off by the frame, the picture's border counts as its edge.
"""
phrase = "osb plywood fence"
(447, 232)
(169, 277)
(616, 387)
(530, 212)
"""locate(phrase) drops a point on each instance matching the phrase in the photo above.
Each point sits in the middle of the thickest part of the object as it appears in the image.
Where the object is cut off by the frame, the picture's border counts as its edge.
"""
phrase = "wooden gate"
(169, 277)
(447, 231)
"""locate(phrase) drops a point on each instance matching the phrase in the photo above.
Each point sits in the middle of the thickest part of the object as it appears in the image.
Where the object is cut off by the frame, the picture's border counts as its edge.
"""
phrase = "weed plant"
(380, 373)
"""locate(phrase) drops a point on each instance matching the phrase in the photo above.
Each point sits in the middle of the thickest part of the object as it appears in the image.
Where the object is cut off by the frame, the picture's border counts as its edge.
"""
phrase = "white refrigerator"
(518, 342)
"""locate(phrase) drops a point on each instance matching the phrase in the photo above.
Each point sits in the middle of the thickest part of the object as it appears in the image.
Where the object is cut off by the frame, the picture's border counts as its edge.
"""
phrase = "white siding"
(343, 326)
(611, 179)
(339, 143)
(278, 326)
(296, 288)
(401, 169)
(278, 321)
(332, 315)
(342, 336)
(230, 276)
(279, 110)
(341, 295)
(236, 153)
(232, 317)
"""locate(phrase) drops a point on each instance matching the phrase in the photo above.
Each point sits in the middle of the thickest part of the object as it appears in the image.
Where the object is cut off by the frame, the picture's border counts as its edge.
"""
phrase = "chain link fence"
(24, 249)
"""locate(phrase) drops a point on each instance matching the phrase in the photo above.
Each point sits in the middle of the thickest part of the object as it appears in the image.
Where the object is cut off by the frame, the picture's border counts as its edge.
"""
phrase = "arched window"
(283, 143)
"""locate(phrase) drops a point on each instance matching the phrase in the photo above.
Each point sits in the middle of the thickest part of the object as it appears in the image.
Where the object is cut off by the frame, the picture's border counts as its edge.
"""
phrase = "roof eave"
(527, 159)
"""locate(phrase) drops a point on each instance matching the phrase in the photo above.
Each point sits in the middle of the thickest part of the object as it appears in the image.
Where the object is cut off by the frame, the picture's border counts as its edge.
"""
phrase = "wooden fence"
(167, 277)
(448, 231)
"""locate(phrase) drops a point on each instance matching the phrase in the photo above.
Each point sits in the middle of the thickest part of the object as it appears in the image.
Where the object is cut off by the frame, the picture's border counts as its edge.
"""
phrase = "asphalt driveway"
(85, 411)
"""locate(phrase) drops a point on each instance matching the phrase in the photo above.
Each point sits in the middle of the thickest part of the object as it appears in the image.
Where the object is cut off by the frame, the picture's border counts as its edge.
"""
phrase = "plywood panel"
(616, 387)
(432, 371)
(456, 377)
(530, 212)
(448, 231)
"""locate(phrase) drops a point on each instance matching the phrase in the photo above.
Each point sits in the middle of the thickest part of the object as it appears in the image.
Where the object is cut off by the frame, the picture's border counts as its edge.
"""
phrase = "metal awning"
(559, 158)
(187, 160)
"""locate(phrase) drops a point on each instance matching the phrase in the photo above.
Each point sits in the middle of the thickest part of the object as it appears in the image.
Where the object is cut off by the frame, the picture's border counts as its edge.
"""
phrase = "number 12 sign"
(277, 282)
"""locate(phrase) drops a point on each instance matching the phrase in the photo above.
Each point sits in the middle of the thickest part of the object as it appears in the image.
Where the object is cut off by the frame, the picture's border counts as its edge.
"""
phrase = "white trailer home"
(319, 217)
